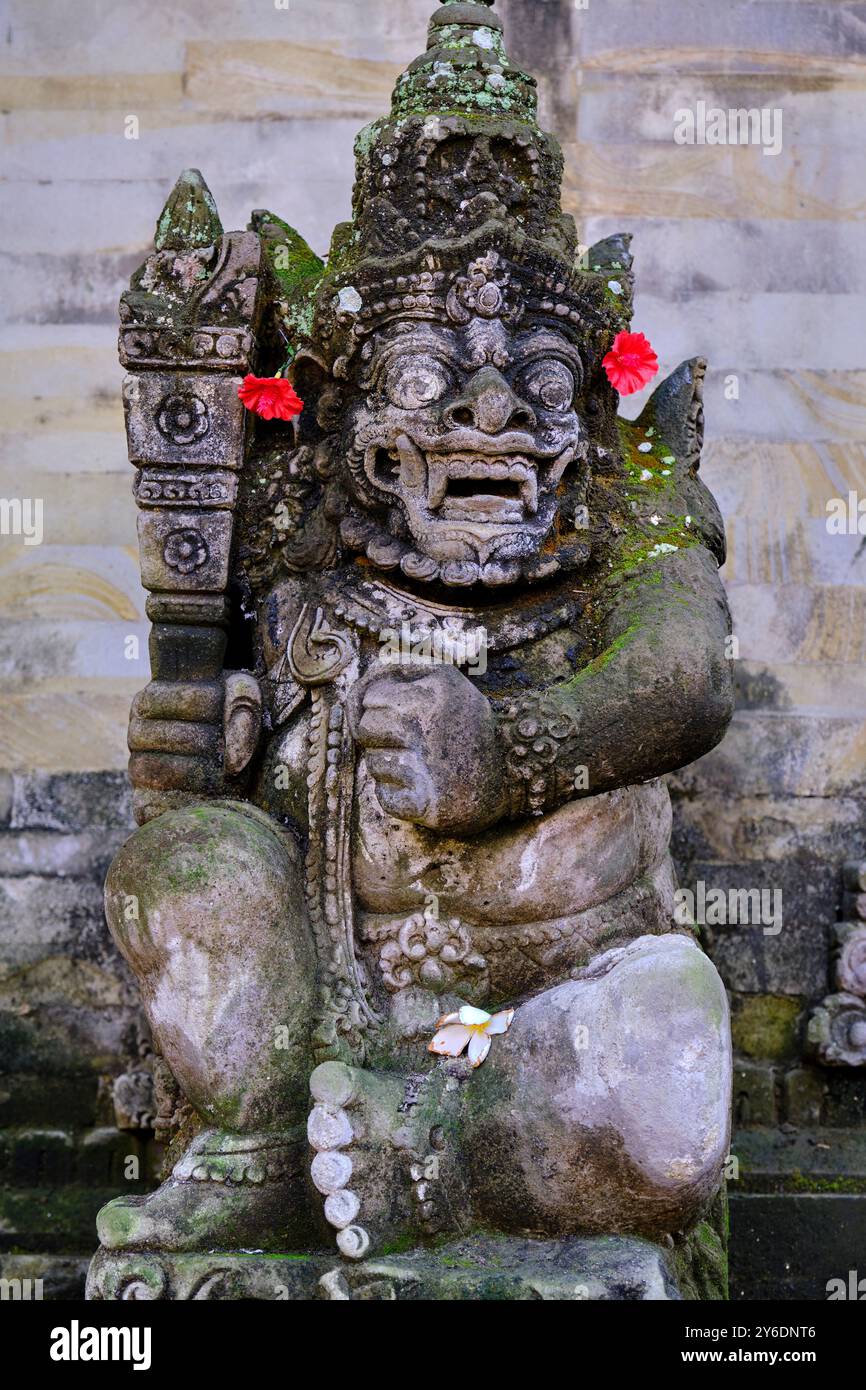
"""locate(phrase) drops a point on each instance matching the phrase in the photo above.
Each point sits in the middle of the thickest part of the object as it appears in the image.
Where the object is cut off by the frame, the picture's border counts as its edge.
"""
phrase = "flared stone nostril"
(523, 419)
(497, 411)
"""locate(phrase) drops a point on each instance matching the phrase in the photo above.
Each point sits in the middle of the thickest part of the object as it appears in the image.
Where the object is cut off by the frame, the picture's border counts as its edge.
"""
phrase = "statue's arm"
(658, 695)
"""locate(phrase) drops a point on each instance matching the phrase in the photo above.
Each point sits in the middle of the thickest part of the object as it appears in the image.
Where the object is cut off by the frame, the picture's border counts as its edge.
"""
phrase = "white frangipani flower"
(472, 1026)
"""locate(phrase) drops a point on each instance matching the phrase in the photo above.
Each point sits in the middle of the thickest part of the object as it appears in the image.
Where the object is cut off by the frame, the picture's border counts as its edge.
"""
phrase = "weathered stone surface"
(843, 1097)
(6, 790)
(60, 1277)
(41, 917)
(52, 802)
(767, 1025)
(707, 828)
(764, 37)
(47, 854)
(783, 937)
(476, 1269)
(782, 755)
(754, 1096)
(804, 1095)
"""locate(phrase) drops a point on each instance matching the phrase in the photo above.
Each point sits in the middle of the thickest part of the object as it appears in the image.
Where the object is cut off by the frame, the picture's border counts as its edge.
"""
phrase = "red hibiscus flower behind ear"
(631, 363)
(272, 397)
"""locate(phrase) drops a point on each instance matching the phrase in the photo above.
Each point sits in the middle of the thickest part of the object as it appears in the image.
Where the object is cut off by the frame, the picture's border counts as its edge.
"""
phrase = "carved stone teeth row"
(440, 472)
(330, 1132)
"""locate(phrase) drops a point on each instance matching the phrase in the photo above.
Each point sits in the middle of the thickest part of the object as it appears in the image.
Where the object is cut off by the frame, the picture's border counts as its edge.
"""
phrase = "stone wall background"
(755, 261)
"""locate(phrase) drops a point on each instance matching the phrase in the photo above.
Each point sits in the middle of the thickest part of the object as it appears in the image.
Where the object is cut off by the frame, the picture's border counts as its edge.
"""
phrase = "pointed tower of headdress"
(460, 172)
(461, 147)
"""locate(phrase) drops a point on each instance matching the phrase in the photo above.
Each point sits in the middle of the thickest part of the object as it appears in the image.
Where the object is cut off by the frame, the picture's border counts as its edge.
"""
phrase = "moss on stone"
(809, 1182)
(600, 662)
(189, 219)
(766, 1025)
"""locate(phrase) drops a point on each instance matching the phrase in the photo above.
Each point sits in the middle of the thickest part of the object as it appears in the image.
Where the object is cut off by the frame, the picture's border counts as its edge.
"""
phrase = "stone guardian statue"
(400, 903)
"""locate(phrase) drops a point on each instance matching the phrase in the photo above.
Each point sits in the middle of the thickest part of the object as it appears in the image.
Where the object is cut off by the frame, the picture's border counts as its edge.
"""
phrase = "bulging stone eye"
(416, 381)
(550, 382)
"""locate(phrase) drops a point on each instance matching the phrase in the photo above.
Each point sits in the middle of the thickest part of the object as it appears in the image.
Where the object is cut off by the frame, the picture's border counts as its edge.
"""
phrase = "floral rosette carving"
(485, 290)
(183, 419)
(185, 551)
(851, 965)
(429, 952)
(837, 1031)
(541, 753)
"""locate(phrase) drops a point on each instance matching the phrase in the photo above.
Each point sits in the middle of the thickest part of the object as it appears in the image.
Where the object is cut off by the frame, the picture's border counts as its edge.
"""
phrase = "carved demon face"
(464, 434)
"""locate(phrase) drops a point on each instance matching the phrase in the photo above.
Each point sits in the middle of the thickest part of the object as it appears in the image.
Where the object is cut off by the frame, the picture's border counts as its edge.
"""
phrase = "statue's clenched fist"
(430, 745)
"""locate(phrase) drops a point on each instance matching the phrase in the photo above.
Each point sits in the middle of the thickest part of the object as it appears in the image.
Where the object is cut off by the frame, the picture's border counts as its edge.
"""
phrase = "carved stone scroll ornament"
(320, 659)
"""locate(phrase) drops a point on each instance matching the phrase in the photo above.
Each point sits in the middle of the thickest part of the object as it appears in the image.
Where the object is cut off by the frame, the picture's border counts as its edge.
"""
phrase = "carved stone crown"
(460, 171)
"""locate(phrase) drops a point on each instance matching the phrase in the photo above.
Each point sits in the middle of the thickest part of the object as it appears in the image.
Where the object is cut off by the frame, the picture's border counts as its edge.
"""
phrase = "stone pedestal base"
(479, 1268)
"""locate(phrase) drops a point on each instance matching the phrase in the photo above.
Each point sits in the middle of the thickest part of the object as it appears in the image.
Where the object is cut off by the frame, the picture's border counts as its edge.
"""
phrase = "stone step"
(104, 1157)
(39, 1277)
(46, 1098)
(821, 1161)
(803, 1247)
(57, 1220)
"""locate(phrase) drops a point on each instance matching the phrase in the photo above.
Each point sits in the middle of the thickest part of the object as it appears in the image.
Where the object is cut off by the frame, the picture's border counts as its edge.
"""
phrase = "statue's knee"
(652, 1046)
(207, 873)
(621, 1080)
(206, 904)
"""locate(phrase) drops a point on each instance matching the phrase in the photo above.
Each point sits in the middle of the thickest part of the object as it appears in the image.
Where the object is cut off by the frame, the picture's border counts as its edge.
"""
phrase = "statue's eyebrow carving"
(439, 343)
(546, 345)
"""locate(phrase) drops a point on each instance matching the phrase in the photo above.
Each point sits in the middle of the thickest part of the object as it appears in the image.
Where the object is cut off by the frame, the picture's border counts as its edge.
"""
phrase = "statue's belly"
(517, 908)
(563, 863)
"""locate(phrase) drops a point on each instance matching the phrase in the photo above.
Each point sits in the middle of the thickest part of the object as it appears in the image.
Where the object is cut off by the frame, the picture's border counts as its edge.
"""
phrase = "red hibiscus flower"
(631, 363)
(272, 397)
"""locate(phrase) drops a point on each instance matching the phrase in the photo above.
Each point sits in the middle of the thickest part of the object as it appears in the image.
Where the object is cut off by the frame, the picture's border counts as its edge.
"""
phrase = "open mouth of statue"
(498, 488)
(503, 489)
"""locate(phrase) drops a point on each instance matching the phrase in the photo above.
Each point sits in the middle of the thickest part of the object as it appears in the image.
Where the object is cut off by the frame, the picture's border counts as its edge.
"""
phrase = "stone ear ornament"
(317, 654)
(242, 720)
